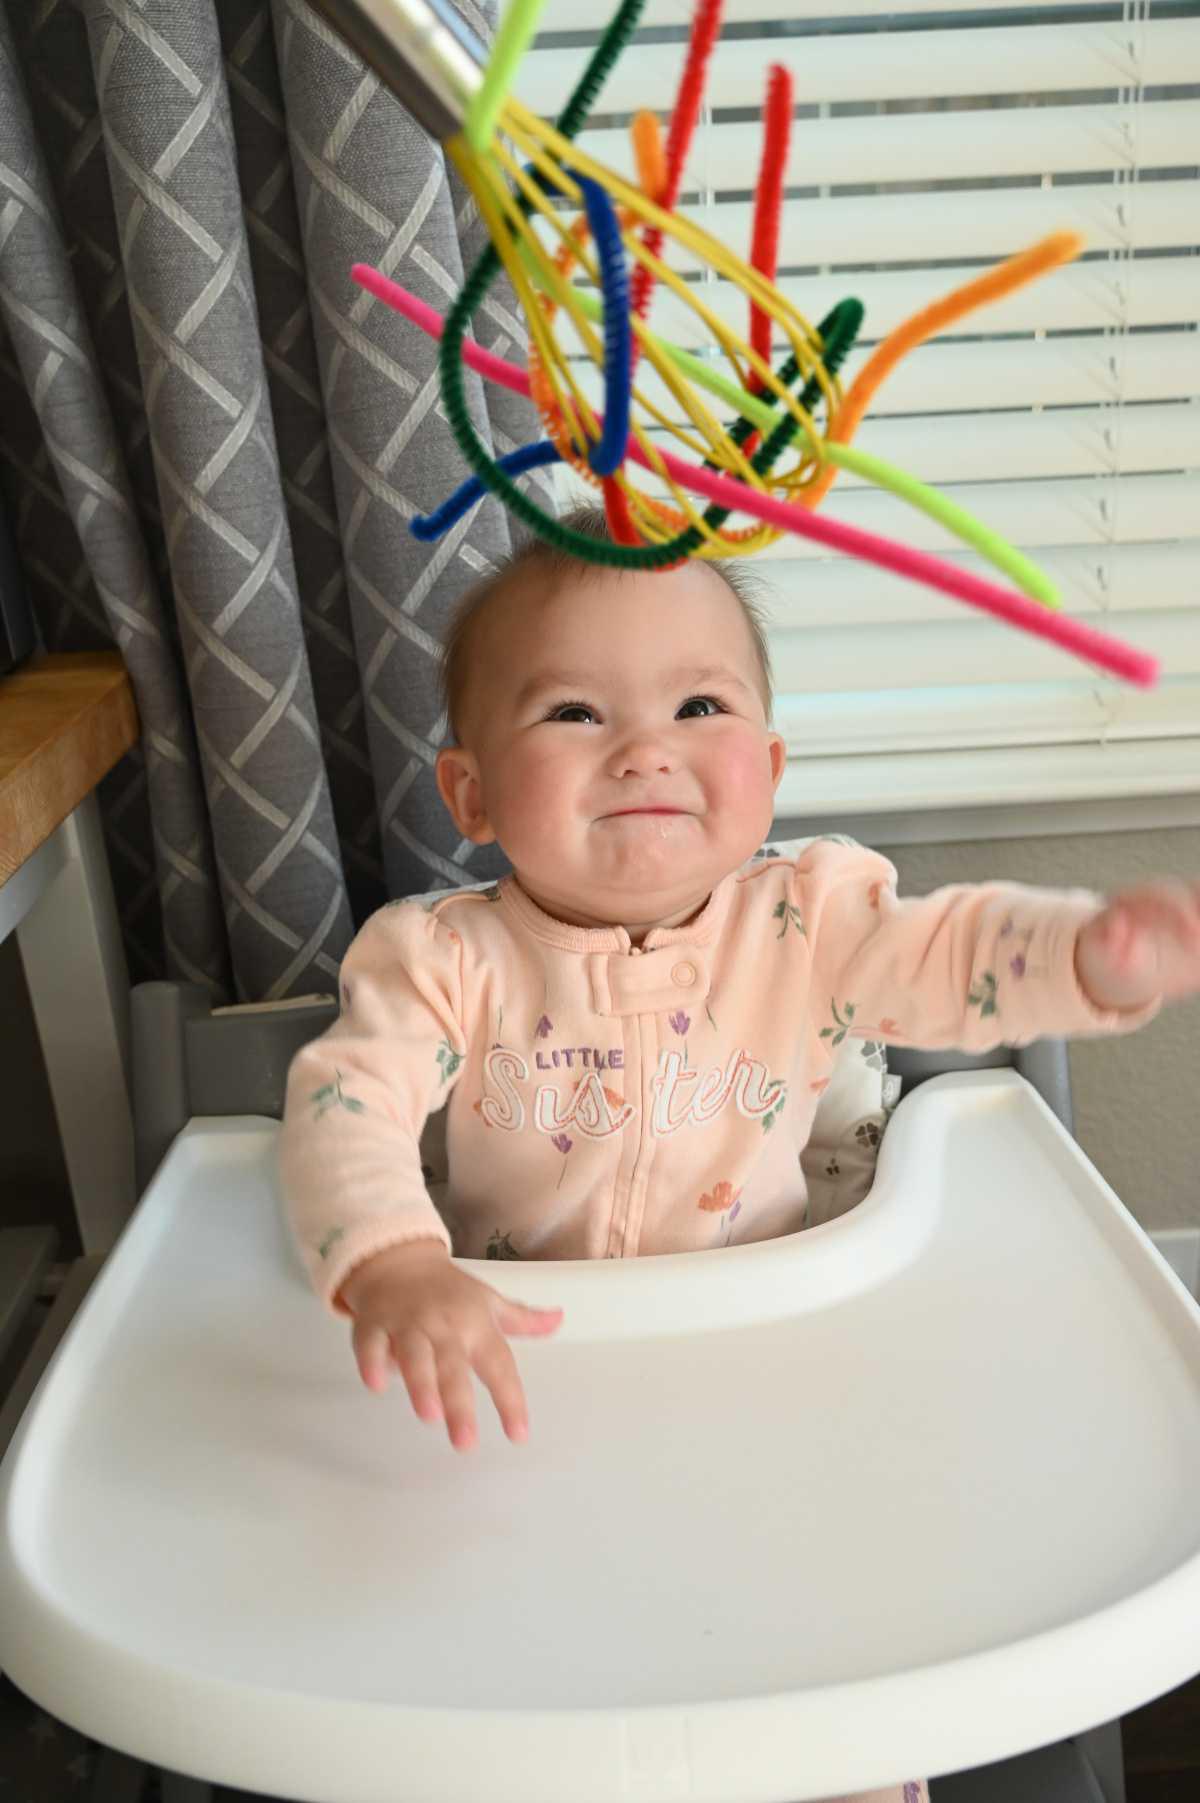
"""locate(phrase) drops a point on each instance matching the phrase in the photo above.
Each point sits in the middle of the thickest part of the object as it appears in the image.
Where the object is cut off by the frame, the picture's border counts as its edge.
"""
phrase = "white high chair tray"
(896, 1496)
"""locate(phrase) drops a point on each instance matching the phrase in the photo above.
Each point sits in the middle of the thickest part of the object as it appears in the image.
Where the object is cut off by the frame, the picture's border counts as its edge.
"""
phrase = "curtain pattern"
(211, 443)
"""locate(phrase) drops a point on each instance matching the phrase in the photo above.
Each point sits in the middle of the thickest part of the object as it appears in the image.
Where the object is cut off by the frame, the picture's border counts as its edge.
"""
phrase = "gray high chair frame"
(192, 1060)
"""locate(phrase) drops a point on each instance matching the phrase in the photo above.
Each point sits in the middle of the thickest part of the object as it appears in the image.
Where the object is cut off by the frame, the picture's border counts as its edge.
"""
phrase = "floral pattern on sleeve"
(1018, 962)
(332, 1095)
(844, 1021)
(786, 912)
(330, 1241)
(982, 995)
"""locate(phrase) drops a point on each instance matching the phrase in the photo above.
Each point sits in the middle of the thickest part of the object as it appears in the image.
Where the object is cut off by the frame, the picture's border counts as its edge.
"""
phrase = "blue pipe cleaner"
(606, 454)
(428, 526)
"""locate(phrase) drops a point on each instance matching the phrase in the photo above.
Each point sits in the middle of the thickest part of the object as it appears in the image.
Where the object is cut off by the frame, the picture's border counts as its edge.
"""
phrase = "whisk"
(519, 172)
(519, 168)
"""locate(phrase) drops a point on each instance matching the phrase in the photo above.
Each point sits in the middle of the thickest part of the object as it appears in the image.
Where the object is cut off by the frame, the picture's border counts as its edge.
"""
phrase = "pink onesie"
(605, 1099)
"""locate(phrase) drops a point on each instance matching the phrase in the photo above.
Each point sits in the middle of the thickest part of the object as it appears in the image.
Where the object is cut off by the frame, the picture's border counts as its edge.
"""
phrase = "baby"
(631, 1032)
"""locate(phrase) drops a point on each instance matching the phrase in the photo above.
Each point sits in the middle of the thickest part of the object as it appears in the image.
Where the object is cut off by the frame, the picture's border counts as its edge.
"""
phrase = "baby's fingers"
(1183, 899)
(1173, 907)
(519, 1318)
(418, 1368)
(497, 1368)
(372, 1352)
(458, 1396)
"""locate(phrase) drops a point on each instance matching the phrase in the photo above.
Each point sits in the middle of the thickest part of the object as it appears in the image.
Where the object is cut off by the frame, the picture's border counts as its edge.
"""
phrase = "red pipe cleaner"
(616, 512)
(706, 26)
(768, 201)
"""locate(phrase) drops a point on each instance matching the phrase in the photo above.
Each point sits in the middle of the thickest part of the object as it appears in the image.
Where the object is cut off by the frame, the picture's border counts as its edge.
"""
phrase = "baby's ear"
(777, 751)
(457, 772)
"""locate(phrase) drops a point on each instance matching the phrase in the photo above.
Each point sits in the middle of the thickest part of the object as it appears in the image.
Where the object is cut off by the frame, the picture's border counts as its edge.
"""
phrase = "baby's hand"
(414, 1308)
(1145, 943)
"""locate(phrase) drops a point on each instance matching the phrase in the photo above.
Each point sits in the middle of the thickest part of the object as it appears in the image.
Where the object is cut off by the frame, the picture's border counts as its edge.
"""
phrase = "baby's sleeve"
(358, 1097)
(971, 965)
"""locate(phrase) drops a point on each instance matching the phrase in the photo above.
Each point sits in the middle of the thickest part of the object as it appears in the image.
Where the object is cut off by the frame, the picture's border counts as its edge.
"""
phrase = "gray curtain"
(211, 442)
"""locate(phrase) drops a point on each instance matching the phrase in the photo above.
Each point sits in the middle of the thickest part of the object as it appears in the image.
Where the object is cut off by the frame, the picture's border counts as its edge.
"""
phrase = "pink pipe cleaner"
(1137, 667)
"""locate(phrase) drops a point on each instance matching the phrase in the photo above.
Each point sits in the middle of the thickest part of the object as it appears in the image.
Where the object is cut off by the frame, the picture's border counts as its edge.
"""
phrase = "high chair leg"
(1062, 1773)
(117, 1778)
(178, 1789)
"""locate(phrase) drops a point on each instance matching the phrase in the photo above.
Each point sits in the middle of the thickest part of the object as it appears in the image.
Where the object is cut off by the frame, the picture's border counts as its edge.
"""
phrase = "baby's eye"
(571, 712)
(698, 707)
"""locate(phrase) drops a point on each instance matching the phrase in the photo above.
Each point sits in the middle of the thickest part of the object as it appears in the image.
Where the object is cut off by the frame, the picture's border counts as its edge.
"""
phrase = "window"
(926, 145)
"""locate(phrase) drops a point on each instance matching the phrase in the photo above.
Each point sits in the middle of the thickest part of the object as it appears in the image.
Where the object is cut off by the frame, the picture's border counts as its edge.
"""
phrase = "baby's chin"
(629, 892)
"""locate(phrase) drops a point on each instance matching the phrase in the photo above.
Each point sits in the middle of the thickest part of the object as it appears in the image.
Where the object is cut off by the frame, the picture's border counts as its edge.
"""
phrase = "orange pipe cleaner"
(648, 153)
(1013, 273)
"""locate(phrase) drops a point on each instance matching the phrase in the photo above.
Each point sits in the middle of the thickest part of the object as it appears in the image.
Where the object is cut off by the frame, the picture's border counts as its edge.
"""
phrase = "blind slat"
(755, 11)
(1051, 372)
(986, 447)
(1084, 441)
(1094, 580)
(848, 67)
(1130, 510)
(914, 147)
(1135, 509)
(1092, 295)
(833, 788)
(976, 715)
(989, 222)
(738, 12)
(970, 650)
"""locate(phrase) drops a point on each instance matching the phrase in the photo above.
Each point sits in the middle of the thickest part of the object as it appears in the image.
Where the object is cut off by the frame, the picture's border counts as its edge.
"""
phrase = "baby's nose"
(646, 754)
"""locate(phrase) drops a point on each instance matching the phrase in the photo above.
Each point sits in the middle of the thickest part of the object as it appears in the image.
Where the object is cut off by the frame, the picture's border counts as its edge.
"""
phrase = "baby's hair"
(587, 519)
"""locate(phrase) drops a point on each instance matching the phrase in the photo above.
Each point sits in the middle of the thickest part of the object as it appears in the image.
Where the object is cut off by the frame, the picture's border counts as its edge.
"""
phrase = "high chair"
(908, 1493)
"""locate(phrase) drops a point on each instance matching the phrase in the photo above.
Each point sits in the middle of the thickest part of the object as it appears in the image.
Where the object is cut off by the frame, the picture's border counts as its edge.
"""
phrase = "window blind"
(927, 144)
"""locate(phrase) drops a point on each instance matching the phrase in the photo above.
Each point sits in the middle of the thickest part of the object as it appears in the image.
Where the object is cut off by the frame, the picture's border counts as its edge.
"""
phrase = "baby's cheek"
(541, 797)
(746, 773)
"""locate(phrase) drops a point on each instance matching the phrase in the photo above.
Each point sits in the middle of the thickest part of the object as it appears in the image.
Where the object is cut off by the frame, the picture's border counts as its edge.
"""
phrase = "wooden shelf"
(65, 720)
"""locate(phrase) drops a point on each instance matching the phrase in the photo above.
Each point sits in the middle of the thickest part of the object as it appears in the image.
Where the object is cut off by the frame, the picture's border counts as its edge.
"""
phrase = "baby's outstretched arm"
(414, 1308)
(1144, 943)
(980, 965)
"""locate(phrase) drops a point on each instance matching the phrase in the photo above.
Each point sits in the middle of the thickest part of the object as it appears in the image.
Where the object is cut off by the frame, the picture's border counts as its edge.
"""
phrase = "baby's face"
(616, 743)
